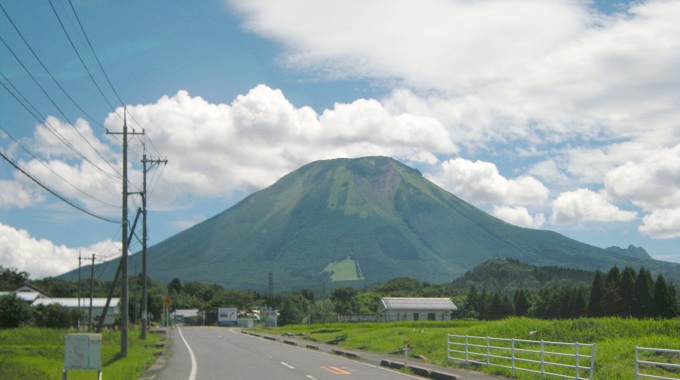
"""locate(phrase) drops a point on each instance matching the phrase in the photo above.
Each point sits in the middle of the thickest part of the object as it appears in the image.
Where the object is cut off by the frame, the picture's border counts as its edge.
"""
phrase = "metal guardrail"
(533, 356)
(666, 366)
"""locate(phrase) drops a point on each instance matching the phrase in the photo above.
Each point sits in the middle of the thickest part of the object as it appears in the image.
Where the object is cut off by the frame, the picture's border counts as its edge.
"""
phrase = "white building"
(393, 309)
(27, 292)
(84, 304)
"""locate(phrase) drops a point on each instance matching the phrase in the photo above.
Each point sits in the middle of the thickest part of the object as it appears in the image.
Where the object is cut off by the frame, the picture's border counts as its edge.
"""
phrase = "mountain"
(631, 251)
(353, 222)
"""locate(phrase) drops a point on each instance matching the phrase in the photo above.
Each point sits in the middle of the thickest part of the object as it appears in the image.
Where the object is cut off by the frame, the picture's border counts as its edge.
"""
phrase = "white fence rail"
(540, 357)
(661, 368)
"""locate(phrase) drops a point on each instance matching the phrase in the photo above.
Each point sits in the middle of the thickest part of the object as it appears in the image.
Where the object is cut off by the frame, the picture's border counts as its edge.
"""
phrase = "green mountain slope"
(373, 215)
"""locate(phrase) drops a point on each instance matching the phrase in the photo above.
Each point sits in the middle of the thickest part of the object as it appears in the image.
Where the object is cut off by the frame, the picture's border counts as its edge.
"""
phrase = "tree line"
(624, 293)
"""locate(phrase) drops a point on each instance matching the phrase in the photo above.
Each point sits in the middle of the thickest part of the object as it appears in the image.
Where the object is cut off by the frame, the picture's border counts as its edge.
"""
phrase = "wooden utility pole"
(124, 242)
(144, 240)
(89, 319)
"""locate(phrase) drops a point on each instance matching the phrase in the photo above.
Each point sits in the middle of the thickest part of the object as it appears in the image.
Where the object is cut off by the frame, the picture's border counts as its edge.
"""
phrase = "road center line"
(288, 365)
(194, 366)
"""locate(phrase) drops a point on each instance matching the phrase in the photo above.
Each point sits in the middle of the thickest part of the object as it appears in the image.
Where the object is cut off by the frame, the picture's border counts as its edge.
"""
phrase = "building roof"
(406, 303)
(25, 296)
(73, 302)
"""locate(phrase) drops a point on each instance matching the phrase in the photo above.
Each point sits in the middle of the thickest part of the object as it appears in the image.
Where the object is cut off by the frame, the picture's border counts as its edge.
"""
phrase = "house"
(83, 304)
(27, 292)
(393, 309)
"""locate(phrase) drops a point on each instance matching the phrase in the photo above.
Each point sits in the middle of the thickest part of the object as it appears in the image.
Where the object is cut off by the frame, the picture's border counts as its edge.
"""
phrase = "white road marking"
(310, 377)
(288, 365)
(194, 366)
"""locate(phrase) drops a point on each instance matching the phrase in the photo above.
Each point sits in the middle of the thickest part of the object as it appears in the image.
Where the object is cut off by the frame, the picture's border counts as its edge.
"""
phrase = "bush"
(13, 311)
(55, 316)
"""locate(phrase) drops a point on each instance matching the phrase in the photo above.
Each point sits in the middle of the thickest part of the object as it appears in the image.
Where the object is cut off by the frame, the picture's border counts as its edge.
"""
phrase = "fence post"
(488, 351)
(577, 365)
(513, 357)
(592, 360)
(637, 363)
(467, 348)
(542, 360)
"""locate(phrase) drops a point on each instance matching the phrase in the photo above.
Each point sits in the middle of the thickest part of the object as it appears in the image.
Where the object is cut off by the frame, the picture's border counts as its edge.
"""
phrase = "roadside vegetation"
(504, 298)
(615, 338)
(38, 353)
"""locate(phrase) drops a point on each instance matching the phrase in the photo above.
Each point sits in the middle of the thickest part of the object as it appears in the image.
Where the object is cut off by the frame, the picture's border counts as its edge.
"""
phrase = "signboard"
(227, 316)
(83, 351)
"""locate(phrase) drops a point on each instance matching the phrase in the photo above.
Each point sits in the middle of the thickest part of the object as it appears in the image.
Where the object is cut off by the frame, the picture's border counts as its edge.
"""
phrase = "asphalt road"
(207, 353)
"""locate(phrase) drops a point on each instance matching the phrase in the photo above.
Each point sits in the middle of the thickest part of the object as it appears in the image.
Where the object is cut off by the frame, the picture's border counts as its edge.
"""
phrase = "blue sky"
(558, 115)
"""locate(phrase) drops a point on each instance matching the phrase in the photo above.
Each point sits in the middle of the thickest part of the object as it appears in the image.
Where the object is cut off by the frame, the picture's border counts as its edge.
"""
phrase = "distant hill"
(631, 251)
(356, 222)
(509, 274)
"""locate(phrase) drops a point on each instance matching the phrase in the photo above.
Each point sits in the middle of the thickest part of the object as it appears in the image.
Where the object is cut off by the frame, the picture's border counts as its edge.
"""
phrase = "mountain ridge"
(375, 211)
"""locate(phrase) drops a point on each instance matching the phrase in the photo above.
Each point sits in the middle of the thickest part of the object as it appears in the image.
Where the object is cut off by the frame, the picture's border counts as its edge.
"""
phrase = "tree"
(292, 311)
(13, 311)
(597, 292)
(611, 298)
(345, 301)
(500, 306)
(664, 304)
(643, 294)
(11, 278)
(579, 305)
(521, 301)
(175, 286)
(627, 291)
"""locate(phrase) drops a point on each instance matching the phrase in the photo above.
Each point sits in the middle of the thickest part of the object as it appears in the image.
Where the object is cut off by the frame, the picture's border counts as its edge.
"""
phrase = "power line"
(39, 117)
(52, 170)
(53, 130)
(16, 166)
(47, 70)
(68, 36)
(93, 52)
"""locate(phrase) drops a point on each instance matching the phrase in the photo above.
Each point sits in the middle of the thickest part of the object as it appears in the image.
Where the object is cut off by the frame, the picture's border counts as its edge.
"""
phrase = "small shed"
(393, 309)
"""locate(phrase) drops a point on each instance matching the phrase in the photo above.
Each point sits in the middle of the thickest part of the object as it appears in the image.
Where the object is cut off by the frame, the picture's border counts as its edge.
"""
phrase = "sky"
(555, 115)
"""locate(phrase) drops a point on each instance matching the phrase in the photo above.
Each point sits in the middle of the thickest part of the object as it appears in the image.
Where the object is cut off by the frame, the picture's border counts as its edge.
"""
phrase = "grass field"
(615, 339)
(33, 353)
(345, 270)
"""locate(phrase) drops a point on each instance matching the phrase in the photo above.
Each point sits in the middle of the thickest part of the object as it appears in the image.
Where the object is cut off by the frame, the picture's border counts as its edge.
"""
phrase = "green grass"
(33, 353)
(345, 270)
(615, 339)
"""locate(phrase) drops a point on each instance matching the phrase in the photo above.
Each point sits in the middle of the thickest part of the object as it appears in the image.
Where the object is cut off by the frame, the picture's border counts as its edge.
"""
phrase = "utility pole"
(89, 323)
(124, 242)
(144, 239)
(79, 289)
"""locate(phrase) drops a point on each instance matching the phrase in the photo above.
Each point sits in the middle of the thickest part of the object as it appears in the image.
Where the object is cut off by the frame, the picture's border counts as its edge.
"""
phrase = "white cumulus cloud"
(519, 216)
(584, 205)
(481, 182)
(40, 257)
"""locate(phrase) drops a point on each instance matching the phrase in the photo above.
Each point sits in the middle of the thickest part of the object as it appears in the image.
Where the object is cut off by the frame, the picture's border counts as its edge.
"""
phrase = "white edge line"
(194, 366)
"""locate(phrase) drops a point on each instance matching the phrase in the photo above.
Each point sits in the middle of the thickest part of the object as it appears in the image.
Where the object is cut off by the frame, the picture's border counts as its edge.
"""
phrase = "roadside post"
(83, 352)
(406, 346)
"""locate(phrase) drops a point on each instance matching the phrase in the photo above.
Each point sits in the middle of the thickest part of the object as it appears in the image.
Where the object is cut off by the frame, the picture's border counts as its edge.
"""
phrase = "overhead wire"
(53, 192)
(89, 73)
(28, 106)
(50, 127)
(59, 86)
(34, 156)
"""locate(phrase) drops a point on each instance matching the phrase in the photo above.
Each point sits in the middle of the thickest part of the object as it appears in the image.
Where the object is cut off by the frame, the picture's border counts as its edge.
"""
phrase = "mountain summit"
(355, 222)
